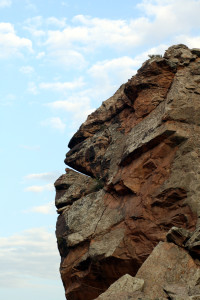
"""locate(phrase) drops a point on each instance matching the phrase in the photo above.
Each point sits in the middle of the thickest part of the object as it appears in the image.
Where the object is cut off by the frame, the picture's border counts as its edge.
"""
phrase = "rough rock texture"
(123, 289)
(139, 155)
(169, 273)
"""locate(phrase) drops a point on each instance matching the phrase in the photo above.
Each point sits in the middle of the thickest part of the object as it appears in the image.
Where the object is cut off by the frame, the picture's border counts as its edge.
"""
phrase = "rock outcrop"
(168, 273)
(137, 178)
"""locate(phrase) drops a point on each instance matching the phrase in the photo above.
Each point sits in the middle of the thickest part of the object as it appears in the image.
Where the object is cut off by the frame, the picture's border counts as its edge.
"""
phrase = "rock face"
(139, 158)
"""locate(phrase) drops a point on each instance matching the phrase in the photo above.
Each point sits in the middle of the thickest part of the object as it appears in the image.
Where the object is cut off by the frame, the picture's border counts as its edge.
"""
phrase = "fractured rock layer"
(138, 155)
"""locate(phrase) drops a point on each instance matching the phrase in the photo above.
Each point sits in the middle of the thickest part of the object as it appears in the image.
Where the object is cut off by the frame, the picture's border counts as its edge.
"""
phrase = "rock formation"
(137, 179)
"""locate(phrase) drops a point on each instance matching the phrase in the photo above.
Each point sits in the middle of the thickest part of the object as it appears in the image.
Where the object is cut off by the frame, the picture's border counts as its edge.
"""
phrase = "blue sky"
(59, 60)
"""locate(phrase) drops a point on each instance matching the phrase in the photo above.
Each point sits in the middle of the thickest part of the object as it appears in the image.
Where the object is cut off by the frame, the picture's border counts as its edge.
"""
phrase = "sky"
(59, 60)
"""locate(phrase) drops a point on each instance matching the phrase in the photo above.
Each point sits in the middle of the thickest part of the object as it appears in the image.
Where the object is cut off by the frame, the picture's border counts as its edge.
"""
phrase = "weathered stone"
(176, 291)
(106, 244)
(196, 51)
(169, 271)
(193, 244)
(139, 153)
(123, 289)
(89, 216)
(196, 297)
(195, 290)
(72, 186)
(180, 54)
(178, 236)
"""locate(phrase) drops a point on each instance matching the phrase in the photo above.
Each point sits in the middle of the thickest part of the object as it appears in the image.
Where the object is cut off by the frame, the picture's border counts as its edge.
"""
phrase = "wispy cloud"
(61, 22)
(40, 55)
(32, 88)
(65, 56)
(5, 3)
(30, 6)
(46, 209)
(62, 86)
(26, 69)
(55, 123)
(40, 188)
(78, 105)
(42, 176)
(34, 26)
(113, 72)
(7, 100)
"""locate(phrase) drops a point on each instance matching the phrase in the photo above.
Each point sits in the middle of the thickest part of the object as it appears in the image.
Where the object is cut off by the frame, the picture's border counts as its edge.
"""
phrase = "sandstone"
(136, 179)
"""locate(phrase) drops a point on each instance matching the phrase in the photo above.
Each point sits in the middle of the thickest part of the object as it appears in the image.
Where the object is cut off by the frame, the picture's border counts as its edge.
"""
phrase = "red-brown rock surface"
(140, 158)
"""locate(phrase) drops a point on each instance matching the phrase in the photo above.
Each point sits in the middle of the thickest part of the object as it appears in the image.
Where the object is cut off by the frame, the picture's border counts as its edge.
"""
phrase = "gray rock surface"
(123, 288)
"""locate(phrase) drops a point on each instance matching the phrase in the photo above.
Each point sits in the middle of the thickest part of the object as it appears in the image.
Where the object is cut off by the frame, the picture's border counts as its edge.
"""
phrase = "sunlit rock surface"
(137, 162)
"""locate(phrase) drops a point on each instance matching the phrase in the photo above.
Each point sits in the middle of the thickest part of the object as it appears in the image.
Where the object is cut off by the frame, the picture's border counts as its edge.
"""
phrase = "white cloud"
(34, 25)
(65, 56)
(56, 22)
(46, 209)
(5, 3)
(94, 32)
(26, 69)
(71, 45)
(62, 86)
(32, 88)
(40, 188)
(42, 176)
(73, 104)
(55, 123)
(180, 16)
(117, 70)
(40, 55)
(37, 26)
(30, 6)
(191, 42)
(10, 43)
(162, 20)
(8, 100)
(32, 253)
(77, 105)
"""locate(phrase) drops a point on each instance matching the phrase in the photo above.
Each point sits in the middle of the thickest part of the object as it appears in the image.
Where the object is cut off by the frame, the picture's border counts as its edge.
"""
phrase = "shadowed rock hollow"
(139, 158)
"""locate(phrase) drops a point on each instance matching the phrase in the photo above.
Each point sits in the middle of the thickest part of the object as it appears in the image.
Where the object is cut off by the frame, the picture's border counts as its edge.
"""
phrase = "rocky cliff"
(128, 225)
